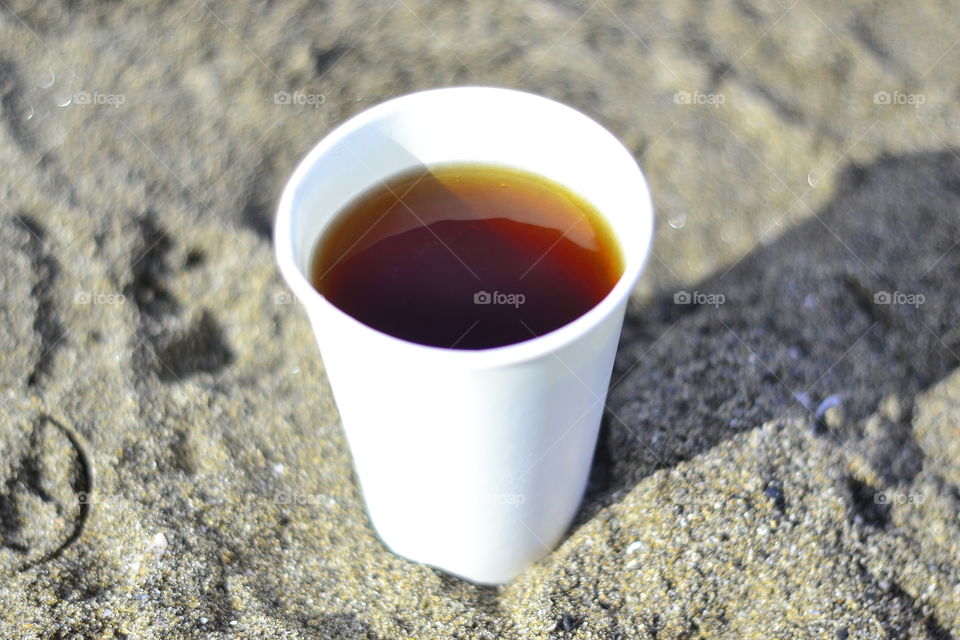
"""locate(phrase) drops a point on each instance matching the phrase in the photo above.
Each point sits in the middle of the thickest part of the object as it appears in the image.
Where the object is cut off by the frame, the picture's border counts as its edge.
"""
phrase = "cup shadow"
(858, 303)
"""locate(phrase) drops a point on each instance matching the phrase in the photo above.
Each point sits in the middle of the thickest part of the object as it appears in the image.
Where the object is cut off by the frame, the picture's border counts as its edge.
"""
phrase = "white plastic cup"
(473, 462)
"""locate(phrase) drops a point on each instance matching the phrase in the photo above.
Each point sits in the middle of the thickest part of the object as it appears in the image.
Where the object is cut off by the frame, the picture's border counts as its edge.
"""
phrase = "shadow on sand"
(860, 302)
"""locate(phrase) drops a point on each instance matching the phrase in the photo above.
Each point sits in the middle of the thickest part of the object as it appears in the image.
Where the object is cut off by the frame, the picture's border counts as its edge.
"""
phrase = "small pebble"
(634, 546)
(775, 493)
(833, 417)
(568, 622)
(833, 400)
(158, 544)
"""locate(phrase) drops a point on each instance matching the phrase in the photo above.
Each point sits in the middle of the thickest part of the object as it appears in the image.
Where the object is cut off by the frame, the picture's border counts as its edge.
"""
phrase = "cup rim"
(517, 352)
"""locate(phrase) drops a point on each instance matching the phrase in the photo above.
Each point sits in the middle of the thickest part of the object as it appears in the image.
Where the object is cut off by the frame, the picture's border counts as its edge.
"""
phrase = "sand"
(779, 462)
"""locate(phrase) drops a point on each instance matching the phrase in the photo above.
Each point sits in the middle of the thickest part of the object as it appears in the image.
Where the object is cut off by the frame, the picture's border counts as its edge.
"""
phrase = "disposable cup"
(471, 461)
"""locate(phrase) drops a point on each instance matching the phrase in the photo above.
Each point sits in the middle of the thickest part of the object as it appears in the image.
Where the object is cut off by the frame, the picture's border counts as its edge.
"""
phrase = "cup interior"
(465, 125)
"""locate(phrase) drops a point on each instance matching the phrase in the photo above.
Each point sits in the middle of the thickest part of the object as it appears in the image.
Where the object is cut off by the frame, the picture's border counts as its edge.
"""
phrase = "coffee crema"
(467, 256)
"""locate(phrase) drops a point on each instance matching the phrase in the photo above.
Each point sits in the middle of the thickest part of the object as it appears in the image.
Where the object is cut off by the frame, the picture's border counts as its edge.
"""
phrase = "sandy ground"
(785, 464)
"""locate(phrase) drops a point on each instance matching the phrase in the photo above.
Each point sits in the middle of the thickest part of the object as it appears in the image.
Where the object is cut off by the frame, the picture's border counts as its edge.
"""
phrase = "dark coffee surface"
(467, 257)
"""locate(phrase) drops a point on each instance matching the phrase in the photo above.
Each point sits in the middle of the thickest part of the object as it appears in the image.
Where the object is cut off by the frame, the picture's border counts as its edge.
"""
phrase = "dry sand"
(782, 465)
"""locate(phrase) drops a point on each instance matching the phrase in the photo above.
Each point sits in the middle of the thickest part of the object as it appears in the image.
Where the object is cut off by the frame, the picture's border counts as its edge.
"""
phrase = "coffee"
(467, 257)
